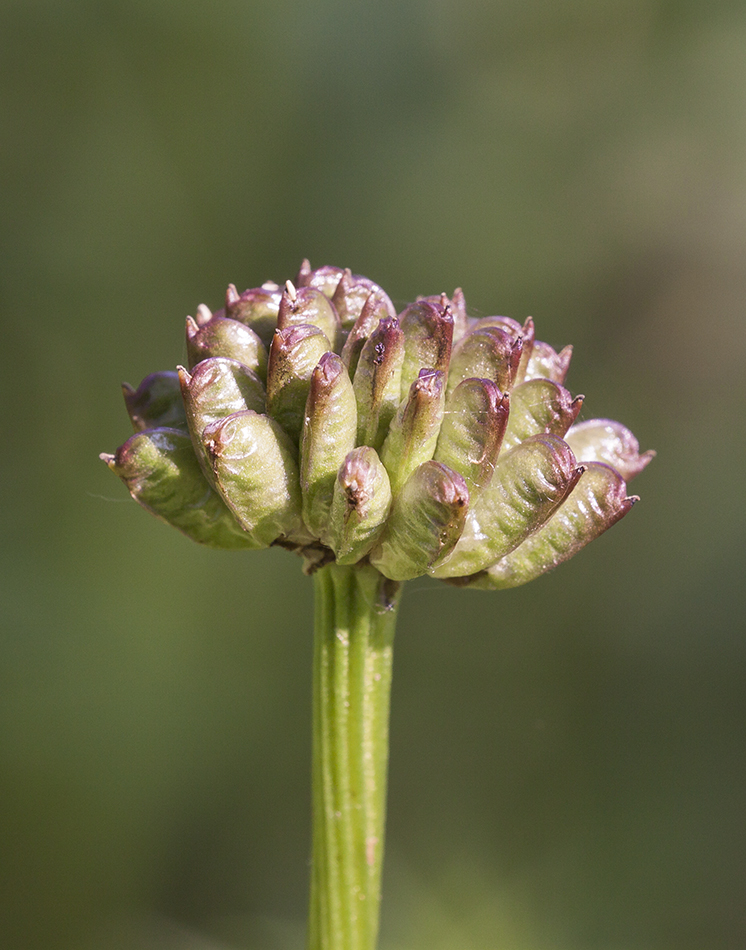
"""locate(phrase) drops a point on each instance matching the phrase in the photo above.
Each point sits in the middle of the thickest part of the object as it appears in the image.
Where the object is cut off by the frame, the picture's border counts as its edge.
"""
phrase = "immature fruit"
(315, 418)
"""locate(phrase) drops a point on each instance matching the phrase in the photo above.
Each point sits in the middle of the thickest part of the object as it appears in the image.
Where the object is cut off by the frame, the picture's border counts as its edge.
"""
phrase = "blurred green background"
(567, 764)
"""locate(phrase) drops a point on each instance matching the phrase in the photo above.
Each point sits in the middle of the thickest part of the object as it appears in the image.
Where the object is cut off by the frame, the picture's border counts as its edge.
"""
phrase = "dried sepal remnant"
(314, 417)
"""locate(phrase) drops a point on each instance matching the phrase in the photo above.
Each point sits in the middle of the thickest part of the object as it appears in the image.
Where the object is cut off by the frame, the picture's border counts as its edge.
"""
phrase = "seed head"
(314, 417)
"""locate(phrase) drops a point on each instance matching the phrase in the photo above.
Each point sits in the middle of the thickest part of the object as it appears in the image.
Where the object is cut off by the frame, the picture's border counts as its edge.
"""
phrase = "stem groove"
(355, 616)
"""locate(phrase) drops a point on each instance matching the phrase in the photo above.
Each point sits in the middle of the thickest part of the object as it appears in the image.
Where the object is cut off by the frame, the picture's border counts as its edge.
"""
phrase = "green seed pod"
(486, 353)
(329, 430)
(428, 337)
(513, 328)
(537, 406)
(377, 382)
(257, 308)
(546, 363)
(360, 505)
(253, 461)
(425, 523)
(476, 416)
(603, 440)
(352, 294)
(597, 502)
(221, 336)
(324, 278)
(217, 388)
(162, 474)
(530, 482)
(374, 310)
(457, 305)
(413, 433)
(306, 305)
(293, 356)
(156, 403)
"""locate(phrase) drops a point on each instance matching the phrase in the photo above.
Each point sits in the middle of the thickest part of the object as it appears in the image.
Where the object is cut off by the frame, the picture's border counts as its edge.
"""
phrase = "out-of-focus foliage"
(567, 758)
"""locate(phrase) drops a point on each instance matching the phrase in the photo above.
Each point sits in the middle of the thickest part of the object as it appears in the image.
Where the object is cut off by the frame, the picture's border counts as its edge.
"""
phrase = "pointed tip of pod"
(576, 476)
(290, 291)
(345, 283)
(329, 367)
(130, 400)
(232, 296)
(304, 272)
(575, 406)
(459, 301)
(108, 459)
(192, 328)
(514, 360)
(203, 314)
(285, 338)
(563, 358)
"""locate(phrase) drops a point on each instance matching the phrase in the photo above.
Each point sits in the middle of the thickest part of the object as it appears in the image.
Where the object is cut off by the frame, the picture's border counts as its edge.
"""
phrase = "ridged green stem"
(354, 630)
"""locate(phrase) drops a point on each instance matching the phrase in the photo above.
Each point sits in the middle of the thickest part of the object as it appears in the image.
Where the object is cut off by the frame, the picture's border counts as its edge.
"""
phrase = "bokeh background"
(567, 764)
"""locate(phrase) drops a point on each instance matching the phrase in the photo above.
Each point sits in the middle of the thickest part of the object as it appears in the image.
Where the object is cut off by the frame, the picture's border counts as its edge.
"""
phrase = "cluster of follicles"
(315, 417)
